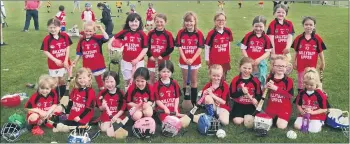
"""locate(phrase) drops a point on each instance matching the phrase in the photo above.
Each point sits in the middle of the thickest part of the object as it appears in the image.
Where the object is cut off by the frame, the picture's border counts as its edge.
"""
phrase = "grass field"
(25, 62)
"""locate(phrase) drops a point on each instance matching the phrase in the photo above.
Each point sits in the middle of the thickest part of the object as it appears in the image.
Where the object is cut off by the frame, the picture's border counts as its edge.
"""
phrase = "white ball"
(291, 134)
(221, 133)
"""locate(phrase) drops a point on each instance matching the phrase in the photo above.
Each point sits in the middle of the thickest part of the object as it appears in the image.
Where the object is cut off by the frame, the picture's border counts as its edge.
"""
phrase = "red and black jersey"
(256, 46)
(284, 92)
(160, 43)
(82, 104)
(133, 42)
(56, 47)
(253, 86)
(219, 44)
(91, 51)
(222, 92)
(115, 102)
(41, 102)
(307, 50)
(134, 94)
(280, 33)
(167, 93)
(315, 101)
(189, 42)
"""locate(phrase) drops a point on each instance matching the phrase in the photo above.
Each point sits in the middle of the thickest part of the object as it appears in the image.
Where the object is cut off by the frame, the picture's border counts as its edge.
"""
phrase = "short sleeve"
(45, 44)
(145, 40)
(270, 29)
(178, 39)
(120, 35)
(99, 98)
(268, 45)
(91, 101)
(30, 103)
(155, 91)
(200, 39)
(320, 45)
(68, 39)
(208, 41)
(79, 47)
(171, 40)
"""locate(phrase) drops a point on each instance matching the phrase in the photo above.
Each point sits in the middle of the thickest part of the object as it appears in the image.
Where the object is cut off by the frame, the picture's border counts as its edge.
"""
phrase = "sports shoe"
(37, 130)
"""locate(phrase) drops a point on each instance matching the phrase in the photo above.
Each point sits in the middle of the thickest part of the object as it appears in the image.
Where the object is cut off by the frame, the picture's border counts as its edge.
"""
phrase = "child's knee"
(282, 124)
(33, 118)
(315, 126)
(148, 112)
(105, 126)
(224, 120)
(110, 132)
(248, 121)
(297, 126)
(59, 109)
(137, 115)
(237, 120)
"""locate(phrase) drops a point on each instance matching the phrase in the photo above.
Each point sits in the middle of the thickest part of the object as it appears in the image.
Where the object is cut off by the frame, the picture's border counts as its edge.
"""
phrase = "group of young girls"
(147, 94)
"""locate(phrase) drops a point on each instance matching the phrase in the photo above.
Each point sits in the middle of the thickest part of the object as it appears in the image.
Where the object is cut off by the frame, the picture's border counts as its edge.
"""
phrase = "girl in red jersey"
(281, 31)
(160, 43)
(135, 45)
(167, 91)
(311, 100)
(150, 12)
(281, 92)
(308, 47)
(217, 44)
(111, 102)
(139, 96)
(257, 45)
(190, 41)
(90, 48)
(82, 99)
(56, 47)
(217, 95)
(42, 105)
(245, 91)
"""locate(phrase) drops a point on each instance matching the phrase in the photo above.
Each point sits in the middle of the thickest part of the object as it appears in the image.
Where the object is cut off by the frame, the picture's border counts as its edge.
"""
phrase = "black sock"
(194, 94)
(62, 90)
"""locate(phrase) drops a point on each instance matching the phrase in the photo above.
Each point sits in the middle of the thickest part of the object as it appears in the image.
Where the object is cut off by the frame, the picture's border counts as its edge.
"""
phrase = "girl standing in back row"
(190, 42)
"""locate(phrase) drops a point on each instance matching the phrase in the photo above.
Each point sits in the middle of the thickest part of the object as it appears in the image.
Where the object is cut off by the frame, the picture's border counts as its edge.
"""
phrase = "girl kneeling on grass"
(245, 91)
(140, 95)
(216, 94)
(311, 100)
(42, 105)
(82, 99)
(167, 91)
(111, 102)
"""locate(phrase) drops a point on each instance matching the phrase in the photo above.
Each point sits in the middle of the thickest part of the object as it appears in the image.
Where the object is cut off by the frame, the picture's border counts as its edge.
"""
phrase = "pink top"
(31, 4)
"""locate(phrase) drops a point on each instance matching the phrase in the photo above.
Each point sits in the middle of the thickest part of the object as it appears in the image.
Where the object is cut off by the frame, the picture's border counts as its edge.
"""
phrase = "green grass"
(25, 61)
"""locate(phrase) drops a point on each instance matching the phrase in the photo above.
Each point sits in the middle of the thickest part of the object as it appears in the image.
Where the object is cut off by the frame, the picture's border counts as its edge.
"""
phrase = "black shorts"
(239, 110)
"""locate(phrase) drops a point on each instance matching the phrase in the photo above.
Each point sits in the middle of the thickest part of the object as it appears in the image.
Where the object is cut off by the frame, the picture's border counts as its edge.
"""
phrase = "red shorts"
(105, 118)
(225, 66)
(261, 3)
(284, 113)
